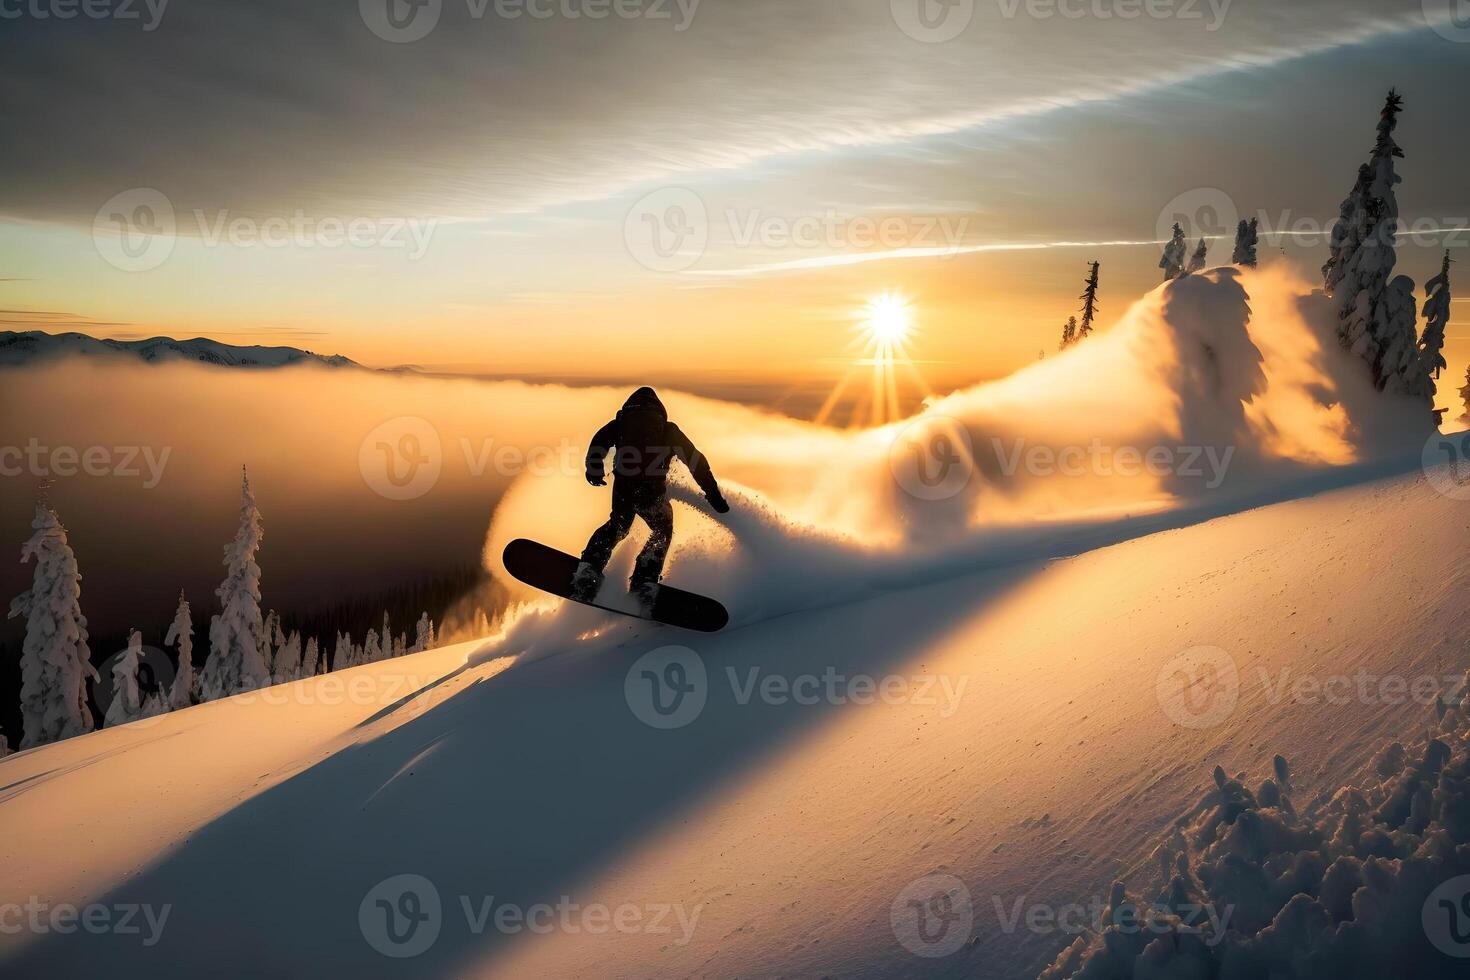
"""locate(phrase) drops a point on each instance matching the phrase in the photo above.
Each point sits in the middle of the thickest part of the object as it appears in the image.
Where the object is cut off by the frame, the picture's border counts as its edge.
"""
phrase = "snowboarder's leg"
(600, 546)
(659, 515)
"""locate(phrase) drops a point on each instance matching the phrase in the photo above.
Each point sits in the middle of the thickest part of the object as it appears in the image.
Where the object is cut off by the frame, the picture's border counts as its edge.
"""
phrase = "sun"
(888, 320)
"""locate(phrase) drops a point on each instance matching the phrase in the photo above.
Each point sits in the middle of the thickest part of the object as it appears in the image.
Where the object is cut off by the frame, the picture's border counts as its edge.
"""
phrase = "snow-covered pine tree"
(1172, 261)
(1465, 395)
(371, 651)
(54, 659)
(273, 639)
(400, 645)
(1197, 260)
(309, 660)
(237, 634)
(4, 745)
(423, 634)
(1361, 259)
(288, 659)
(1436, 319)
(1089, 302)
(342, 652)
(181, 632)
(1398, 334)
(127, 700)
(1245, 243)
(1069, 333)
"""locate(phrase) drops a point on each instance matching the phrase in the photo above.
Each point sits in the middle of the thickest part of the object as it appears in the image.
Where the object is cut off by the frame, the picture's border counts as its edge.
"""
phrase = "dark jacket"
(644, 443)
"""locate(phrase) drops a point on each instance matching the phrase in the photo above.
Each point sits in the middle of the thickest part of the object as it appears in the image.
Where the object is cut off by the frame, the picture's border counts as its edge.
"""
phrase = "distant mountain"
(19, 348)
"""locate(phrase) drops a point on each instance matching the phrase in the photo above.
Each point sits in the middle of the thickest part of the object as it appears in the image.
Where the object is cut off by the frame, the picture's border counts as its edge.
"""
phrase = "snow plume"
(1373, 882)
(1214, 387)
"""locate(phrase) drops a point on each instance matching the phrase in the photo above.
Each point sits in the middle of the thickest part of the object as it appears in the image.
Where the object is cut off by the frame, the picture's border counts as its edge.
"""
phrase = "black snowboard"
(551, 571)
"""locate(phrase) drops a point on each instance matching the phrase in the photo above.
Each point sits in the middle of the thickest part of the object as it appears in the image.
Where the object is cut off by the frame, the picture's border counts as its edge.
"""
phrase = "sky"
(667, 188)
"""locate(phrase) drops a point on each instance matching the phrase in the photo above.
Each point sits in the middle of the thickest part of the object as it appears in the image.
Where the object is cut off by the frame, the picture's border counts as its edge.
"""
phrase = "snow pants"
(649, 500)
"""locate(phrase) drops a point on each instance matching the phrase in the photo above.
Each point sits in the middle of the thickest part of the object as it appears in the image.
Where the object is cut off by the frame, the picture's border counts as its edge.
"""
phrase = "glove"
(717, 501)
(596, 479)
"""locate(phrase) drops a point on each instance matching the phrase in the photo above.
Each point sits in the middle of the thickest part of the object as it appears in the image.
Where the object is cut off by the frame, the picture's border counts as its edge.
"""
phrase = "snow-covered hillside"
(33, 346)
(1021, 728)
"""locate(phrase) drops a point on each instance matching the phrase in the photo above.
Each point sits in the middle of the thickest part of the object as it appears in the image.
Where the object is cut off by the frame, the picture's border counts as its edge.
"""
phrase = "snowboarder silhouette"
(643, 442)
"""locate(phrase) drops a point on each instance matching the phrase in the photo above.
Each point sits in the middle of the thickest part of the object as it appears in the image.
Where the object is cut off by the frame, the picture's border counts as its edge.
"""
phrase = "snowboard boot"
(585, 582)
(645, 593)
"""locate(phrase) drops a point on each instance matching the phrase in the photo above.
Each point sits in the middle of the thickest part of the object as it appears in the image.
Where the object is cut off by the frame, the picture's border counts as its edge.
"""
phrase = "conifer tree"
(181, 632)
(1089, 302)
(1362, 255)
(55, 661)
(1172, 261)
(1245, 244)
(1197, 260)
(237, 636)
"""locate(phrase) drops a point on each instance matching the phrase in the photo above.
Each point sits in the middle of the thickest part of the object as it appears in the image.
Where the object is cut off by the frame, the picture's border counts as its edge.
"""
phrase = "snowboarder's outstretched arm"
(602, 444)
(698, 466)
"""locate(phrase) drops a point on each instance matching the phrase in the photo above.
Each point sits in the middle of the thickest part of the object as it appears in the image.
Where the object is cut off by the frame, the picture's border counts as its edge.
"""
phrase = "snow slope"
(1035, 752)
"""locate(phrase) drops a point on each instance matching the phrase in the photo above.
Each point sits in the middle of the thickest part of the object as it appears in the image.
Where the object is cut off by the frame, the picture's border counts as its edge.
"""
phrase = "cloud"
(279, 105)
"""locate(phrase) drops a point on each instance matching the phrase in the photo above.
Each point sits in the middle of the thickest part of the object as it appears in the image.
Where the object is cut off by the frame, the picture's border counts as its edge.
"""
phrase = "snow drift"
(1214, 390)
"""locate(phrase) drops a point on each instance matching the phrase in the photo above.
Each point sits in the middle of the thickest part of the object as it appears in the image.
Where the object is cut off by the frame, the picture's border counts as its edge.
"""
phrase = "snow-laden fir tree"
(1069, 333)
(1245, 243)
(127, 700)
(423, 634)
(1465, 395)
(400, 645)
(55, 662)
(1362, 254)
(342, 655)
(288, 659)
(1398, 333)
(237, 639)
(1197, 260)
(1436, 319)
(274, 640)
(1172, 261)
(1089, 302)
(371, 651)
(309, 659)
(181, 632)
(4, 745)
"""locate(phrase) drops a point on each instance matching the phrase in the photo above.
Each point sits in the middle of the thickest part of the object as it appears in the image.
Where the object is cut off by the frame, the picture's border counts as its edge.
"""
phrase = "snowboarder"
(643, 442)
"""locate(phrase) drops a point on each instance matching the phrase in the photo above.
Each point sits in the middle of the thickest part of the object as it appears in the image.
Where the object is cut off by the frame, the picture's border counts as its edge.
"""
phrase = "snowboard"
(551, 571)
